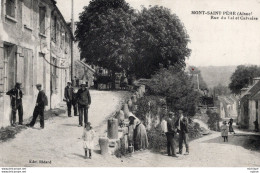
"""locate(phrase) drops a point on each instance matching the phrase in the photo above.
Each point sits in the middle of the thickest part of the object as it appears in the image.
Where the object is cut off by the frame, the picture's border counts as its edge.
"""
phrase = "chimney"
(255, 80)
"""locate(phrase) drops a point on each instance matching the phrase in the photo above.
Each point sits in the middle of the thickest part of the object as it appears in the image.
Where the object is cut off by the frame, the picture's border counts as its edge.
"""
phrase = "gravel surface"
(60, 142)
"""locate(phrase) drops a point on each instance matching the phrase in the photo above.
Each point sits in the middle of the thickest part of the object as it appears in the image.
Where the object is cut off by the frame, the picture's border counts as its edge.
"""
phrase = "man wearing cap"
(170, 130)
(84, 101)
(39, 108)
(16, 96)
(68, 94)
(182, 127)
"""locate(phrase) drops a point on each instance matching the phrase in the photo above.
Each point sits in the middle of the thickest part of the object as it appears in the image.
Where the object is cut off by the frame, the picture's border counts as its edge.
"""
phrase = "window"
(42, 11)
(10, 8)
(62, 37)
(53, 28)
(58, 34)
(27, 13)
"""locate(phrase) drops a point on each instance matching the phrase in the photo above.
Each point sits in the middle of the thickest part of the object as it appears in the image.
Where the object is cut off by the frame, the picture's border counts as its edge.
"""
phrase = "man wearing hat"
(182, 127)
(16, 96)
(84, 101)
(41, 102)
(170, 133)
(68, 94)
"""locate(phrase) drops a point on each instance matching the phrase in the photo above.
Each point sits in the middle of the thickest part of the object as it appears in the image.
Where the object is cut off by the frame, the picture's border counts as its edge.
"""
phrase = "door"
(10, 66)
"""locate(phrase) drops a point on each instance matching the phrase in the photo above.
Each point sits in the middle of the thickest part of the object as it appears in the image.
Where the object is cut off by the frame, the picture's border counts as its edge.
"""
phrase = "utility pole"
(72, 41)
(198, 81)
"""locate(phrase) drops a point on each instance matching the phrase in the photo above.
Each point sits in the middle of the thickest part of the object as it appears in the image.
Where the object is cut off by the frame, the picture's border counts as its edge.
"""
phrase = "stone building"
(249, 106)
(35, 47)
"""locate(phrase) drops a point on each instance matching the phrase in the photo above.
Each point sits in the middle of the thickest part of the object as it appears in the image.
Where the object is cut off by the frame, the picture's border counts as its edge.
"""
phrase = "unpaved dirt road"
(60, 142)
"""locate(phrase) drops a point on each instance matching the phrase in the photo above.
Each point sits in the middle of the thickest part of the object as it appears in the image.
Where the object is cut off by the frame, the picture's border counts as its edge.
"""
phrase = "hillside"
(214, 75)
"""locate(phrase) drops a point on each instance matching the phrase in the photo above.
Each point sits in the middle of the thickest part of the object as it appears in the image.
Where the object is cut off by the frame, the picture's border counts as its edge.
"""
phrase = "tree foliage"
(178, 89)
(220, 90)
(242, 77)
(161, 38)
(113, 35)
(105, 34)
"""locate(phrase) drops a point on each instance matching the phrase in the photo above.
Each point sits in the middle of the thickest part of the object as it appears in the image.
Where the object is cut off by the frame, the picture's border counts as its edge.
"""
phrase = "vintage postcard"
(129, 83)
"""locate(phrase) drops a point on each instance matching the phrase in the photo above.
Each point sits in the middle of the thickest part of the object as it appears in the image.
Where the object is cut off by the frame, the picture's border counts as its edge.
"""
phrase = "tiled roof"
(256, 96)
(253, 90)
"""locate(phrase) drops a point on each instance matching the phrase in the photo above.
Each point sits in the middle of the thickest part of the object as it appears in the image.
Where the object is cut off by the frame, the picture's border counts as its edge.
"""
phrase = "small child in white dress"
(88, 139)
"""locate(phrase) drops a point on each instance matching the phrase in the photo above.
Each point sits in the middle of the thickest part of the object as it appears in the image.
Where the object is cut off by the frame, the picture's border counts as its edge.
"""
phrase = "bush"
(157, 141)
(194, 131)
(143, 107)
(213, 121)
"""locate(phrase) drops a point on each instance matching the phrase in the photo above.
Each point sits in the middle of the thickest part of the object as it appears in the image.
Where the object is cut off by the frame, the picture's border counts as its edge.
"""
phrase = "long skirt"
(140, 137)
(231, 129)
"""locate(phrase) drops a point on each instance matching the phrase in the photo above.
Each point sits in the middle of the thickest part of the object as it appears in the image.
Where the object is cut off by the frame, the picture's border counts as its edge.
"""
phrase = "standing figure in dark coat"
(170, 131)
(68, 94)
(230, 123)
(84, 101)
(16, 96)
(182, 126)
(39, 108)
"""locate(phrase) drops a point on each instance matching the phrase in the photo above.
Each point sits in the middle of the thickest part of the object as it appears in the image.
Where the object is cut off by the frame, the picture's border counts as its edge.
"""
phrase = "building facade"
(35, 47)
(249, 106)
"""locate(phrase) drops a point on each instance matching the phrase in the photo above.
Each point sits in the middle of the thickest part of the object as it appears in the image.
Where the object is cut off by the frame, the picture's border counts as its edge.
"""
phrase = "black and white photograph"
(129, 83)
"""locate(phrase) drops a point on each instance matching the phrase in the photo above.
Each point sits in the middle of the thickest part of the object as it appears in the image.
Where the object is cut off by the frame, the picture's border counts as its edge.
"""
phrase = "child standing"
(88, 139)
(224, 131)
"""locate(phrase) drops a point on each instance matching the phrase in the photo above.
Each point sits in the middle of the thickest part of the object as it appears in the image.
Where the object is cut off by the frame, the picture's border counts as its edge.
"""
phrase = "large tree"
(161, 38)
(105, 34)
(242, 77)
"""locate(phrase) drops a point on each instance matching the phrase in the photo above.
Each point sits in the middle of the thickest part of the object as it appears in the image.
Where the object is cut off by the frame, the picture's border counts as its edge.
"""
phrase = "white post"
(198, 81)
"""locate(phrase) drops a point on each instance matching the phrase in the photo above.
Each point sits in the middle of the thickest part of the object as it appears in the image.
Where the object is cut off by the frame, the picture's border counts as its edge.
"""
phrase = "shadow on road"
(79, 155)
(250, 142)
(97, 151)
(72, 125)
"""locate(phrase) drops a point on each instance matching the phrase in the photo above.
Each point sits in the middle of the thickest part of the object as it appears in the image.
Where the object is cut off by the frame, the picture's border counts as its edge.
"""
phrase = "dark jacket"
(68, 93)
(83, 97)
(183, 125)
(40, 99)
(171, 126)
(13, 93)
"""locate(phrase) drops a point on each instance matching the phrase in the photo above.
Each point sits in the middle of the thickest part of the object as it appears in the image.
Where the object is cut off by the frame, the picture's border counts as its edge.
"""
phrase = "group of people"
(80, 101)
(225, 129)
(171, 125)
(16, 96)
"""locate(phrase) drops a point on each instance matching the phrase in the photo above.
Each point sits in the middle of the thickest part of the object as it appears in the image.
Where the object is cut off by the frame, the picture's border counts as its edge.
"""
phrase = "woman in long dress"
(230, 123)
(140, 139)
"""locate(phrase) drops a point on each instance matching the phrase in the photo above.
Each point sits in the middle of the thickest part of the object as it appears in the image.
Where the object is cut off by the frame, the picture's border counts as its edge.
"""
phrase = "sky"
(214, 42)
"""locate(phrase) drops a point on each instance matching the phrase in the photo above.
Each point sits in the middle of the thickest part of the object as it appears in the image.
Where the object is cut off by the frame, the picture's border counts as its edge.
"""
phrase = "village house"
(84, 72)
(227, 106)
(249, 106)
(35, 47)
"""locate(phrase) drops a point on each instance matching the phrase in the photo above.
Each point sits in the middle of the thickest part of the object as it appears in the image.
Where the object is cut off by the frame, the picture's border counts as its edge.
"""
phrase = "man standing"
(16, 96)
(84, 101)
(182, 126)
(68, 94)
(41, 102)
(170, 131)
